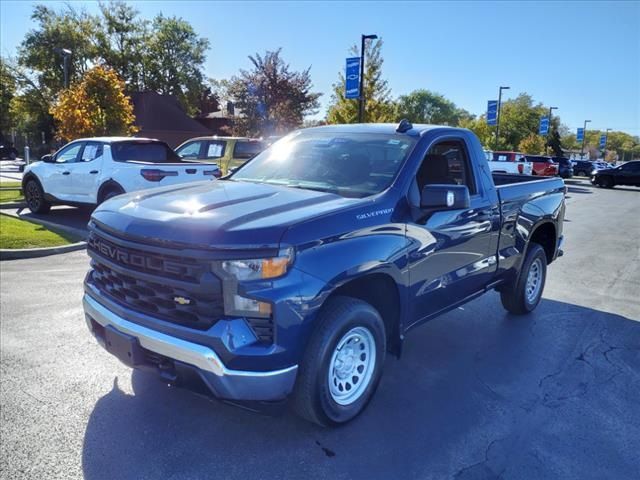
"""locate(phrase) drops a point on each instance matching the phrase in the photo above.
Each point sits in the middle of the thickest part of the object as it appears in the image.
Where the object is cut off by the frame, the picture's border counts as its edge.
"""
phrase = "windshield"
(153, 152)
(348, 164)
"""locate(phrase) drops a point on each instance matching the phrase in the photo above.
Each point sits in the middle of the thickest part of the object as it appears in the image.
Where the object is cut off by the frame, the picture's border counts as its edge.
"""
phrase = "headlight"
(235, 271)
(258, 268)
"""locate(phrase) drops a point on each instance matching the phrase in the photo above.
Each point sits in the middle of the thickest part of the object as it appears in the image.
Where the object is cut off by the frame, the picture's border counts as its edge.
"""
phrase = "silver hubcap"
(352, 365)
(534, 281)
(33, 195)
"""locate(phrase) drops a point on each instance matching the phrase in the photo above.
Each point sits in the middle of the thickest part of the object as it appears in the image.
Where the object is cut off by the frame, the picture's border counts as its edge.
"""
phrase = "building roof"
(155, 112)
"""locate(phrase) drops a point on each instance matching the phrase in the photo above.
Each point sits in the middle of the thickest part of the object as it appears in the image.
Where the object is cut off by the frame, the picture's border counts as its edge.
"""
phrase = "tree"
(378, 106)
(271, 98)
(95, 106)
(484, 132)
(532, 144)
(121, 43)
(424, 106)
(519, 118)
(8, 86)
(174, 61)
(553, 139)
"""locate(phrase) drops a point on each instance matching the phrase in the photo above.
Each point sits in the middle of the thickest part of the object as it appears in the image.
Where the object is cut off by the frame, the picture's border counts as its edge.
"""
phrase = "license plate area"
(125, 347)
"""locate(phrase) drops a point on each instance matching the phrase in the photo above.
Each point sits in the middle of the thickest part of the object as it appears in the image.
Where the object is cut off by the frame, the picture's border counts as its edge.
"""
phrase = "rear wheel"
(34, 195)
(110, 192)
(525, 294)
(343, 363)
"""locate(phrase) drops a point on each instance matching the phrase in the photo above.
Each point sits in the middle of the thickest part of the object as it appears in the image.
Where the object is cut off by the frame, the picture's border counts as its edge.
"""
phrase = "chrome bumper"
(223, 382)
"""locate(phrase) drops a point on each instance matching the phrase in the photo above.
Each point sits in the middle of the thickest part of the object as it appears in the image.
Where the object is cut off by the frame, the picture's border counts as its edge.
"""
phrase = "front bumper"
(178, 354)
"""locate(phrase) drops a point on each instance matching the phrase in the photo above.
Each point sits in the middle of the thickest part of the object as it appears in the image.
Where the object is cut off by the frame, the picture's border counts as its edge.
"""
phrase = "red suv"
(543, 166)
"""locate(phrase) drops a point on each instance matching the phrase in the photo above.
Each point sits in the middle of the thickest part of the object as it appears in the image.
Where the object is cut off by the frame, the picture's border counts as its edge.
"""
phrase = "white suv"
(91, 170)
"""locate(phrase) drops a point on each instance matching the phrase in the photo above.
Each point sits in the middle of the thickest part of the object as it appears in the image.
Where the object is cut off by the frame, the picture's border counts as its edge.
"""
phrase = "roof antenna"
(404, 126)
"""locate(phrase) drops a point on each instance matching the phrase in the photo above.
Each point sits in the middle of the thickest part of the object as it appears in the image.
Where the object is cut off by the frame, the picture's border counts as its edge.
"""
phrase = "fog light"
(249, 305)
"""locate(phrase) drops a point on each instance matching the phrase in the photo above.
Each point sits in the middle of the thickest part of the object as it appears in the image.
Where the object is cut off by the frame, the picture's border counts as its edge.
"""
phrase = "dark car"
(565, 167)
(583, 167)
(626, 174)
(8, 152)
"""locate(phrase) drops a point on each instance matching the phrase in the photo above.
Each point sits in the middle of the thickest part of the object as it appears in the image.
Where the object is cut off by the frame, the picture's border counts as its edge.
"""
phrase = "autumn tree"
(271, 98)
(533, 144)
(378, 107)
(95, 106)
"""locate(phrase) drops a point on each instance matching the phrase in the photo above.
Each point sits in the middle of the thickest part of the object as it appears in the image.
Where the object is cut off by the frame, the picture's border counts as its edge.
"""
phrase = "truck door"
(56, 178)
(450, 257)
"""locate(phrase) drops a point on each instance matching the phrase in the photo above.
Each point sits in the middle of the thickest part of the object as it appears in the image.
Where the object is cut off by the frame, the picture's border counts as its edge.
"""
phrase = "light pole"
(361, 101)
(66, 53)
(584, 136)
(549, 129)
(498, 114)
(606, 140)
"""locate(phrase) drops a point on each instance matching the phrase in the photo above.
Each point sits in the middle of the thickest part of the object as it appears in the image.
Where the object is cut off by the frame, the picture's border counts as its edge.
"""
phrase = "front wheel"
(606, 182)
(34, 195)
(343, 363)
(525, 294)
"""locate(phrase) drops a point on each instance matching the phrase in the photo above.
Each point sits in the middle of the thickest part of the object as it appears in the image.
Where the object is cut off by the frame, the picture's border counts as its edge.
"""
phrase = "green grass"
(10, 196)
(16, 233)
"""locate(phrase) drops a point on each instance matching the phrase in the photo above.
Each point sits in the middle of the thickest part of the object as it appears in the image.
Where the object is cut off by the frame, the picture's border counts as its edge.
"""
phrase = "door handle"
(66, 173)
(93, 172)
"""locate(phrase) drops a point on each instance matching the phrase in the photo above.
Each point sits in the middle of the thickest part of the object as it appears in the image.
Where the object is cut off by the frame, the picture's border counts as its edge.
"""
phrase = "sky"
(583, 57)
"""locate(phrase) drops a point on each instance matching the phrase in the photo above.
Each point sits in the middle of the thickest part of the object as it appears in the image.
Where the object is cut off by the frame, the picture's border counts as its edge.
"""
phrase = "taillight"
(155, 175)
(520, 168)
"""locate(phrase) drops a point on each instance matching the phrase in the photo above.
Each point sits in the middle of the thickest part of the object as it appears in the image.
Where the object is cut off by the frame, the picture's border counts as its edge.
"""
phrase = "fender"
(109, 183)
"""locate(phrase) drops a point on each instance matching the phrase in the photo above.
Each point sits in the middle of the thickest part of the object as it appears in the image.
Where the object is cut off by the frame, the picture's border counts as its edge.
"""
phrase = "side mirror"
(444, 197)
(48, 158)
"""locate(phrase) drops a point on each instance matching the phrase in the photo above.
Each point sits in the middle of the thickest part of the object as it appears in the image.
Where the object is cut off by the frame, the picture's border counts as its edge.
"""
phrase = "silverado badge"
(182, 300)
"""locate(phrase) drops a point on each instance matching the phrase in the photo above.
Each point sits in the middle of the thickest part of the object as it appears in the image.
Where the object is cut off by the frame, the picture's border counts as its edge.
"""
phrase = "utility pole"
(498, 115)
(546, 149)
(362, 100)
(584, 136)
(606, 140)
(66, 53)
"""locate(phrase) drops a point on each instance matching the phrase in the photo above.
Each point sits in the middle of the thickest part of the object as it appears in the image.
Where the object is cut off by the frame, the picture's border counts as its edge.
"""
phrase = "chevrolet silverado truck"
(292, 277)
(89, 171)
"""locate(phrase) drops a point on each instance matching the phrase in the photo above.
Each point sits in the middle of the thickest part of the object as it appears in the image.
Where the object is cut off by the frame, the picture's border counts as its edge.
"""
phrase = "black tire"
(515, 299)
(110, 193)
(312, 398)
(606, 182)
(34, 196)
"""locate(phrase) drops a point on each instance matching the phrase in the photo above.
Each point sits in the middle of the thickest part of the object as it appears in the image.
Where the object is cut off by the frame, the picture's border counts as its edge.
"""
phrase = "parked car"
(8, 151)
(228, 152)
(582, 167)
(543, 165)
(565, 167)
(626, 174)
(89, 171)
(499, 164)
(310, 262)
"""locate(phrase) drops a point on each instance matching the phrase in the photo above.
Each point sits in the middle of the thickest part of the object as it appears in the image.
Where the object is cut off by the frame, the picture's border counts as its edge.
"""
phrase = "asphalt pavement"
(477, 394)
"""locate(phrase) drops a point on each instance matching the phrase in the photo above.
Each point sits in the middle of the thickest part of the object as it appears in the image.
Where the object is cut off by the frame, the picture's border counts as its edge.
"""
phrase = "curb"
(20, 253)
(82, 234)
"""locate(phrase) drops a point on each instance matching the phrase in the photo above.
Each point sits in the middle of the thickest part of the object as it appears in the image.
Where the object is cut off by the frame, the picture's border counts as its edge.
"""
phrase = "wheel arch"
(107, 186)
(545, 235)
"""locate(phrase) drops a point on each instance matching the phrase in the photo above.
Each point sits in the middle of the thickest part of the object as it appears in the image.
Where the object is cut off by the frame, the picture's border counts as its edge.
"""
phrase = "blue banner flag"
(352, 78)
(580, 135)
(492, 112)
(544, 126)
(603, 140)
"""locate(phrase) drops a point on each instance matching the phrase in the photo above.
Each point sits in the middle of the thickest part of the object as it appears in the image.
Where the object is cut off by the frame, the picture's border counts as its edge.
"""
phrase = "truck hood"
(215, 214)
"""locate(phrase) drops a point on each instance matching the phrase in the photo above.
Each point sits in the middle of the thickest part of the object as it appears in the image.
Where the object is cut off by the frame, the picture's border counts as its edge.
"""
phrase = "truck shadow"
(476, 393)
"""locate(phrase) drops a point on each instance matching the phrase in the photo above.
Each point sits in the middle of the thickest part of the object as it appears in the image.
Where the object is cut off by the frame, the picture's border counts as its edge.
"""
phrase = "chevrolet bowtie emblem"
(182, 300)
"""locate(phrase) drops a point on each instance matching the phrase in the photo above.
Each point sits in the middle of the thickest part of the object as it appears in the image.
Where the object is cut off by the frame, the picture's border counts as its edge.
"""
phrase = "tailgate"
(174, 173)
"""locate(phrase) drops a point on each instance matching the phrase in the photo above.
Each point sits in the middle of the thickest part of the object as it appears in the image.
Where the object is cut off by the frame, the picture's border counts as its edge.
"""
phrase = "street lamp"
(498, 114)
(362, 99)
(66, 53)
(606, 140)
(549, 129)
(584, 135)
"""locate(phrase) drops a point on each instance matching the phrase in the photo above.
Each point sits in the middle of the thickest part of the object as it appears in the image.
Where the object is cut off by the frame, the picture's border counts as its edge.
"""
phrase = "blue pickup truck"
(291, 278)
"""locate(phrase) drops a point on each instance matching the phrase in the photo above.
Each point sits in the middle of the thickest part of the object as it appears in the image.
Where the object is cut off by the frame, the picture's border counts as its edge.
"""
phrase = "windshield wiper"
(316, 188)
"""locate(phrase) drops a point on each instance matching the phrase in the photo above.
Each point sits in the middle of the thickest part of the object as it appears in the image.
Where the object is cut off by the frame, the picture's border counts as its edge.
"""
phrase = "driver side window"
(69, 154)
(446, 163)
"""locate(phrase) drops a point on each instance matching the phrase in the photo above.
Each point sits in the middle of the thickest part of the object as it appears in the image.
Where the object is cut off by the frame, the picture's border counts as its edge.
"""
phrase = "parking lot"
(477, 393)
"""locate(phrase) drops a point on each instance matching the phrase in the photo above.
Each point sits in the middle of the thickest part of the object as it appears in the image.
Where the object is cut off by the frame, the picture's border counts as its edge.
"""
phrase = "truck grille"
(176, 289)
